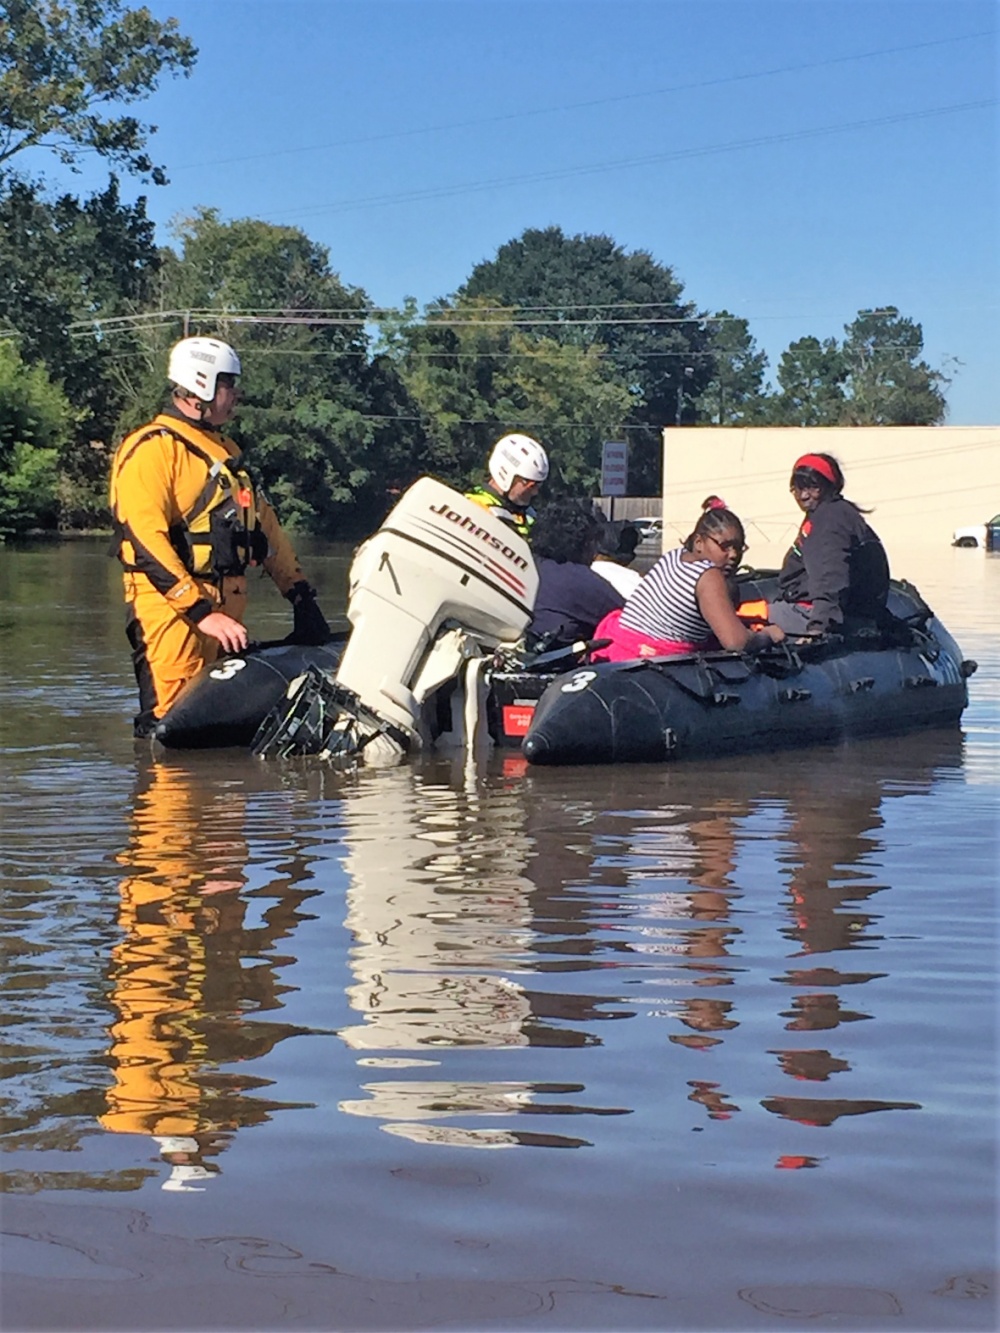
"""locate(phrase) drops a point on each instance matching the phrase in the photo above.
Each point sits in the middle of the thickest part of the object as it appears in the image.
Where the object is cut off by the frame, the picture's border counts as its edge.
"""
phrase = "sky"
(793, 161)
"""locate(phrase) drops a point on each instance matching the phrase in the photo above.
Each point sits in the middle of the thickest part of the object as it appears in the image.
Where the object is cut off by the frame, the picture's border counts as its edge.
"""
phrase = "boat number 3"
(579, 681)
(228, 669)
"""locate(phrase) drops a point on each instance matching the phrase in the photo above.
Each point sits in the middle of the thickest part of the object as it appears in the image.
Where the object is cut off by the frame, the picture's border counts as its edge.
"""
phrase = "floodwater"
(710, 1046)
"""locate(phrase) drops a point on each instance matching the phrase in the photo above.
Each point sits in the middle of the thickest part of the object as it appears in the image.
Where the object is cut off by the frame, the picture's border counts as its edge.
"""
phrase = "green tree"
(36, 423)
(301, 335)
(587, 291)
(69, 266)
(66, 66)
(401, 449)
(874, 378)
(888, 383)
(811, 377)
(734, 396)
(473, 374)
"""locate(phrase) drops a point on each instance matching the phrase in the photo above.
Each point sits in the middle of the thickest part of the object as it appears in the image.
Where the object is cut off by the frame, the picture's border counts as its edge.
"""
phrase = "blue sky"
(792, 161)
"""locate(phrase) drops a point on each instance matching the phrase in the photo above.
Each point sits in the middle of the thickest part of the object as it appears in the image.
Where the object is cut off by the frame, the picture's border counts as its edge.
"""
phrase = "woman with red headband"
(835, 577)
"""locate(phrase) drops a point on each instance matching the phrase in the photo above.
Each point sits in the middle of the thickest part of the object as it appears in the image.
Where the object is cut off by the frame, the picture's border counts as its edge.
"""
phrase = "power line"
(507, 420)
(895, 502)
(534, 112)
(777, 475)
(593, 352)
(596, 351)
(358, 319)
(374, 313)
(354, 319)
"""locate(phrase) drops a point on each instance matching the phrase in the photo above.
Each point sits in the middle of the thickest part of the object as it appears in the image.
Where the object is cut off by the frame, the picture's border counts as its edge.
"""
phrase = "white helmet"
(517, 456)
(196, 363)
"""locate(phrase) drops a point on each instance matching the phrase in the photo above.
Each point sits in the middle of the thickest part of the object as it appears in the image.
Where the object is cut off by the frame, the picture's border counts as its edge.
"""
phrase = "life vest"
(223, 528)
(521, 520)
(219, 535)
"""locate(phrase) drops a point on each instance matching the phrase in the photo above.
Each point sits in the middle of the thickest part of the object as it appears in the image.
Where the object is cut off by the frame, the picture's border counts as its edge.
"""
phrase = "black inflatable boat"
(910, 677)
(647, 711)
(226, 703)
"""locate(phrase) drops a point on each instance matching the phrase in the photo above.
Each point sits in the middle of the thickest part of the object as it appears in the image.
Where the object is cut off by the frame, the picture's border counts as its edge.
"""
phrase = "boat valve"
(793, 696)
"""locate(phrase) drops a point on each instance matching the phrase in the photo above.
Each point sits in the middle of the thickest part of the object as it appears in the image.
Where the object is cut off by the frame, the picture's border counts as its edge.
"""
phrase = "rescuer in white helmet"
(189, 522)
(518, 465)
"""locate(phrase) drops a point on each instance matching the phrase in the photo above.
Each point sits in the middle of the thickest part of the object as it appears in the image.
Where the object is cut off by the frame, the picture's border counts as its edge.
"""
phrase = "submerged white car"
(649, 527)
(984, 535)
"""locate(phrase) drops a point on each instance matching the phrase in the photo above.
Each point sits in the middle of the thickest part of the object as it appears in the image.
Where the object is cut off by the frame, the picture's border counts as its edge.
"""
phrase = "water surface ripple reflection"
(286, 1011)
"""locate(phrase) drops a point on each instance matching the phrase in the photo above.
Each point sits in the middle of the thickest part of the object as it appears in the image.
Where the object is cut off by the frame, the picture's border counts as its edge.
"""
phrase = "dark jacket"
(839, 565)
(571, 601)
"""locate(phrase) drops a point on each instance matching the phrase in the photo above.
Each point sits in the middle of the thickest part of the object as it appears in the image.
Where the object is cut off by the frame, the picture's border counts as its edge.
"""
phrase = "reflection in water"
(517, 915)
(712, 1098)
(825, 832)
(816, 1111)
(837, 904)
(179, 980)
(465, 897)
(440, 909)
(813, 1066)
(422, 1102)
(437, 910)
(816, 1013)
(828, 840)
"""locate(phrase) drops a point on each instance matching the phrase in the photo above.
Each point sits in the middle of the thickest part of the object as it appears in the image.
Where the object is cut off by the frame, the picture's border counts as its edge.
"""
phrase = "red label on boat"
(517, 719)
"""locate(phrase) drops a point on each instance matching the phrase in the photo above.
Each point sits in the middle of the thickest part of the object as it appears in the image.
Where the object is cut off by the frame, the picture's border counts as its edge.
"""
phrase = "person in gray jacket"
(835, 577)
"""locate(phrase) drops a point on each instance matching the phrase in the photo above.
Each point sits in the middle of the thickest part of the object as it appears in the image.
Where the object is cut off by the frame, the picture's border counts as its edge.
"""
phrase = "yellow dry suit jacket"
(521, 520)
(189, 520)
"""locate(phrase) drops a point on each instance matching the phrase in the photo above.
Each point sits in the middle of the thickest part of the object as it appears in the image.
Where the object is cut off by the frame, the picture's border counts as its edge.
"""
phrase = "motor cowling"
(442, 580)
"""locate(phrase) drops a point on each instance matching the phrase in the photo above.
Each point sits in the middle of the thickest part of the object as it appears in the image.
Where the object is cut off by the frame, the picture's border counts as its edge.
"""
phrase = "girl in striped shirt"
(683, 604)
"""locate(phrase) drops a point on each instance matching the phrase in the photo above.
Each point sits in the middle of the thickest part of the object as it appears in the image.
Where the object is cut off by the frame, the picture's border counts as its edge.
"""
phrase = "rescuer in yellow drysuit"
(189, 522)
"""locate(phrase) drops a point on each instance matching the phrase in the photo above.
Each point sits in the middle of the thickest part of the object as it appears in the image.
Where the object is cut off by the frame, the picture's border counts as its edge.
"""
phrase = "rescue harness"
(220, 535)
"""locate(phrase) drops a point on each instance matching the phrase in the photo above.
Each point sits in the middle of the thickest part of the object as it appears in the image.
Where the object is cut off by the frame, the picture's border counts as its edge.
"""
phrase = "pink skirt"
(628, 644)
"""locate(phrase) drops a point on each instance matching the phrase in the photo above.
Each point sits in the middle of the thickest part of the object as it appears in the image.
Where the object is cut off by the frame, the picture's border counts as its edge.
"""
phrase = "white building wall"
(921, 482)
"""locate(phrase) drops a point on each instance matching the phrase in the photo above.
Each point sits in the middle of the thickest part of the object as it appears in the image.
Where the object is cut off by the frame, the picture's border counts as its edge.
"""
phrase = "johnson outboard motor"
(433, 593)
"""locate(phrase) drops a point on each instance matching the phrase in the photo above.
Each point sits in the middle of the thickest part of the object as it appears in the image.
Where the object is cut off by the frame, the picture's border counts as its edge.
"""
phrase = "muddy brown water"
(706, 1046)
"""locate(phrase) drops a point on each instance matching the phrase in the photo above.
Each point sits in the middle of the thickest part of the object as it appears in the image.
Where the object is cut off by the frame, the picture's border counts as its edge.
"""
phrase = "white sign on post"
(614, 468)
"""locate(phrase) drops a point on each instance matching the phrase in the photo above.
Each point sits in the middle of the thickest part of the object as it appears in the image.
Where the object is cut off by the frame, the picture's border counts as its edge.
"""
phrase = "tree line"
(573, 339)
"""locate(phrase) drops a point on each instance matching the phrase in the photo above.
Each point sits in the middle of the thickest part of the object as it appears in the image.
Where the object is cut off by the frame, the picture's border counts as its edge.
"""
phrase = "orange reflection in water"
(177, 980)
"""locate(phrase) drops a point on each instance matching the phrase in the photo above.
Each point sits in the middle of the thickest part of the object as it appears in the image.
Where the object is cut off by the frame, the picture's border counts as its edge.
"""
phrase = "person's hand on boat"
(763, 638)
(229, 632)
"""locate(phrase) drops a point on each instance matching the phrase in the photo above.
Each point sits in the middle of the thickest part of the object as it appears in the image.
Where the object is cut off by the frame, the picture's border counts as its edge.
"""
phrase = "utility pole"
(687, 374)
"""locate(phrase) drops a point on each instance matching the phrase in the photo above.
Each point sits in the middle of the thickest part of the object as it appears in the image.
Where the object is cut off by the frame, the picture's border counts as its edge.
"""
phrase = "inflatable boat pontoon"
(439, 601)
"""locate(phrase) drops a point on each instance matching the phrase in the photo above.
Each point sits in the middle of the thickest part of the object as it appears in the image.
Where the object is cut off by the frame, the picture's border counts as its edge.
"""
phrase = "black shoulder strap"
(141, 439)
(214, 465)
(161, 429)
